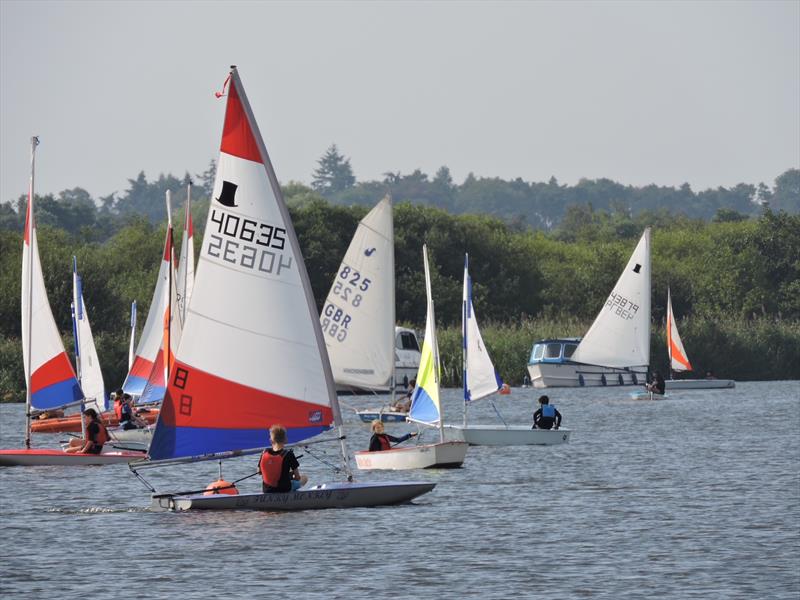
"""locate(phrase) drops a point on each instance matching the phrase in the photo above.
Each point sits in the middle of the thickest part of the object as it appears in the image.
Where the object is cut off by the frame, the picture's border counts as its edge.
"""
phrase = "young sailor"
(382, 441)
(278, 465)
(658, 385)
(96, 435)
(546, 415)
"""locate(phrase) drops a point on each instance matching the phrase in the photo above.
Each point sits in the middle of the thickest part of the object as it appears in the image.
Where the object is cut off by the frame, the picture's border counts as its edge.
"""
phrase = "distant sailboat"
(185, 281)
(480, 381)
(86, 360)
(425, 409)
(679, 362)
(49, 377)
(616, 349)
(252, 353)
(150, 342)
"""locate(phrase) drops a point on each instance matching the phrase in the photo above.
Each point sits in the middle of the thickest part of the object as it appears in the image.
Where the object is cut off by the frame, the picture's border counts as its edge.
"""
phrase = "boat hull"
(72, 423)
(497, 435)
(136, 436)
(566, 374)
(45, 457)
(699, 384)
(425, 456)
(388, 416)
(329, 495)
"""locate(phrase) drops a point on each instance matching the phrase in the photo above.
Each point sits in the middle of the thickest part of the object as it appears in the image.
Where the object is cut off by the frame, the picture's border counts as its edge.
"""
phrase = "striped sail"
(48, 371)
(90, 374)
(677, 355)
(358, 316)
(150, 340)
(480, 378)
(185, 281)
(252, 353)
(425, 406)
(620, 335)
(156, 386)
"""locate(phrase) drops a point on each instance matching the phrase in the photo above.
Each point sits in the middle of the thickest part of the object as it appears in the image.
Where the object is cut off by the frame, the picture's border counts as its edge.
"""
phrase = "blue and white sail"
(480, 377)
(425, 405)
(88, 365)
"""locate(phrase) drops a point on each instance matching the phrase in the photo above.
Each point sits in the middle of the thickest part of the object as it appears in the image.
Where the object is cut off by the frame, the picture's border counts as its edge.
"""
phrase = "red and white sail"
(677, 355)
(252, 353)
(49, 374)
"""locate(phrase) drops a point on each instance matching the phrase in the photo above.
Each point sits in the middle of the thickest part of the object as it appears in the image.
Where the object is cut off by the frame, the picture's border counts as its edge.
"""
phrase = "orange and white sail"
(49, 375)
(150, 342)
(252, 353)
(677, 355)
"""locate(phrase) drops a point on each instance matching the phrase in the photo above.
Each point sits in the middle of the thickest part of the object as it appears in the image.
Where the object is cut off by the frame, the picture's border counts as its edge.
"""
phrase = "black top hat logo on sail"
(228, 195)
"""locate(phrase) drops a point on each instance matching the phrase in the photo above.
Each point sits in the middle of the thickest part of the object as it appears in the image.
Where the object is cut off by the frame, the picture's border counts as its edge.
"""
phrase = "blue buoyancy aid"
(548, 410)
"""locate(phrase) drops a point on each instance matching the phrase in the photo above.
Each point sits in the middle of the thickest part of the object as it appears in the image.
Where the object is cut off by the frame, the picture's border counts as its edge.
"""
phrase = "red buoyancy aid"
(118, 409)
(384, 440)
(271, 466)
(102, 435)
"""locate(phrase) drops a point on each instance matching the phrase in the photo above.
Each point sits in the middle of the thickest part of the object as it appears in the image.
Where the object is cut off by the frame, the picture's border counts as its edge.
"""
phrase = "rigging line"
(324, 462)
(498, 413)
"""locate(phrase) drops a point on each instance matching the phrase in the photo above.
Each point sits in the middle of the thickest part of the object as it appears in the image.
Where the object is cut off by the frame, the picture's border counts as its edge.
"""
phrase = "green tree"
(334, 173)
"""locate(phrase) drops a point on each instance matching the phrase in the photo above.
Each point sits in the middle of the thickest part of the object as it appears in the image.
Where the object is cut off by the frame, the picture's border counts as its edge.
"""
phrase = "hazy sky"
(640, 92)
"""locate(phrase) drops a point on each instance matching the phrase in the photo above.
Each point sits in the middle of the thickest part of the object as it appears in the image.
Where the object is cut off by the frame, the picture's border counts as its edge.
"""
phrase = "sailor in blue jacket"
(546, 416)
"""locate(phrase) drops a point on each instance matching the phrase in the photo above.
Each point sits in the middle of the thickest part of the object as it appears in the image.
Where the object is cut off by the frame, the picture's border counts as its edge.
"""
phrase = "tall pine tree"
(334, 173)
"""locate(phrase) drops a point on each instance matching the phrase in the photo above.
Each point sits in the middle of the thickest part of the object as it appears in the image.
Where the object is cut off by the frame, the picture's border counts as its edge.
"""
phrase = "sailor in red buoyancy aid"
(278, 465)
(96, 435)
(383, 441)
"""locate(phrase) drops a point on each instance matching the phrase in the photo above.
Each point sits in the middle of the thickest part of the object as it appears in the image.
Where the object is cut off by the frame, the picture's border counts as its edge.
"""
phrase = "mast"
(303, 273)
(669, 334)
(28, 313)
(131, 350)
(168, 324)
(392, 310)
(464, 308)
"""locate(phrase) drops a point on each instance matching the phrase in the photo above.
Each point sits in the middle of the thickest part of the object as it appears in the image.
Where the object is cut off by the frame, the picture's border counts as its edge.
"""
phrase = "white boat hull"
(44, 457)
(329, 495)
(425, 456)
(132, 436)
(498, 435)
(546, 375)
(386, 416)
(699, 384)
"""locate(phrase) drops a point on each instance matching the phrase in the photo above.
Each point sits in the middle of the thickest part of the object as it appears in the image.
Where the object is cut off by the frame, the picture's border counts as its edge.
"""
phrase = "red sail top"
(237, 137)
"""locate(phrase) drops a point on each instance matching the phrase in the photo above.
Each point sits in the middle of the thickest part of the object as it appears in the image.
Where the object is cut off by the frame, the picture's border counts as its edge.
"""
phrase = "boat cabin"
(553, 351)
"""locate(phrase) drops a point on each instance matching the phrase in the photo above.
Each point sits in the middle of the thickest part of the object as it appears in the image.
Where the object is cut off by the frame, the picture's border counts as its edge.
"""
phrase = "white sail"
(358, 316)
(620, 335)
(677, 355)
(185, 281)
(90, 374)
(480, 377)
(132, 346)
(251, 353)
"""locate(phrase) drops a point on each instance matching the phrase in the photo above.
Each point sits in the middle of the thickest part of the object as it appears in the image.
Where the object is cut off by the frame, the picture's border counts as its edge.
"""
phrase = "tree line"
(734, 275)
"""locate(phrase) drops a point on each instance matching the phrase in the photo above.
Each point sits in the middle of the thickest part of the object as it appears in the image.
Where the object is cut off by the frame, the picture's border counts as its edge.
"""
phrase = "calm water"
(695, 496)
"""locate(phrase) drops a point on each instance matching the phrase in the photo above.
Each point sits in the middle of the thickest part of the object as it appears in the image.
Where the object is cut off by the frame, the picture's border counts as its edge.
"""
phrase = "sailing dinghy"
(49, 377)
(425, 409)
(679, 362)
(616, 349)
(252, 353)
(481, 381)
